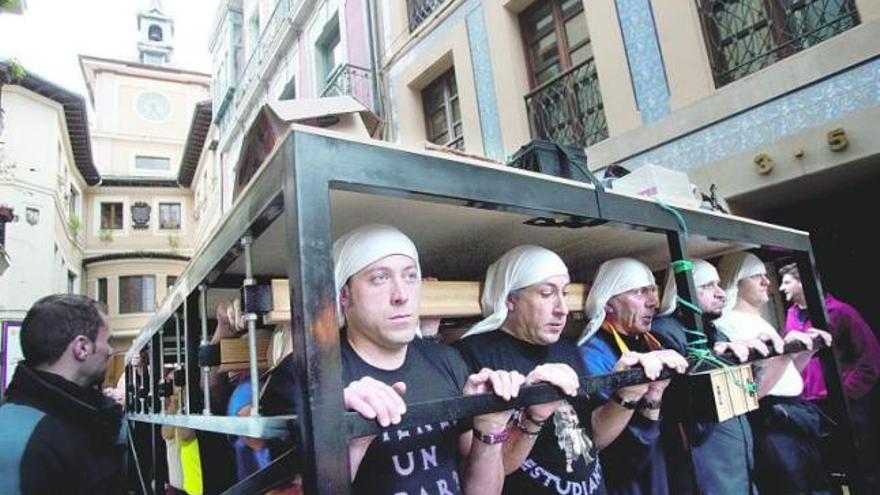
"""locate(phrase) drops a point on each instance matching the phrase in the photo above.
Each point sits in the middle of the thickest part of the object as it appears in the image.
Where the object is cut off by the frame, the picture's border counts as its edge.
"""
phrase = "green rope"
(672, 211)
(680, 266)
(689, 305)
(698, 349)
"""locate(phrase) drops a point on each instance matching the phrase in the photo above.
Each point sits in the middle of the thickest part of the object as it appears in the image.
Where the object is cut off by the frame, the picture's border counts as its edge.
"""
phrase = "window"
(565, 104)
(154, 33)
(169, 216)
(442, 114)
(111, 216)
(72, 201)
(329, 51)
(744, 36)
(152, 163)
(137, 294)
(170, 280)
(102, 291)
(419, 10)
(556, 38)
(289, 90)
(71, 283)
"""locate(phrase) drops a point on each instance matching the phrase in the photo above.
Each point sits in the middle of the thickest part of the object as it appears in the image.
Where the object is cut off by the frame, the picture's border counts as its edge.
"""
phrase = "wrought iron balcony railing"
(568, 109)
(744, 36)
(419, 10)
(351, 80)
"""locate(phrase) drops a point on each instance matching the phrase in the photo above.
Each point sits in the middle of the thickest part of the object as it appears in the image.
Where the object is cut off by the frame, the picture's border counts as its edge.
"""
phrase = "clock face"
(153, 106)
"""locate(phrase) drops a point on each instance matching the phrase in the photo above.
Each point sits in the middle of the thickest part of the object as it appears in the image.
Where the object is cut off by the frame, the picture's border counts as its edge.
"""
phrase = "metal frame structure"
(294, 187)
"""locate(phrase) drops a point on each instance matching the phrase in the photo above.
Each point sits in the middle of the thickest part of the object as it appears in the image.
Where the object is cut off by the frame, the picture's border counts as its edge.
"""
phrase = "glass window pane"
(547, 74)
(538, 20)
(111, 216)
(576, 30)
(569, 7)
(152, 163)
(169, 215)
(102, 290)
(137, 294)
(582, 54)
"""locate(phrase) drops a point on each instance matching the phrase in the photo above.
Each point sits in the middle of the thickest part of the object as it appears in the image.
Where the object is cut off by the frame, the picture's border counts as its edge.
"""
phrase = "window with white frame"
(152, 163)
(169, 216)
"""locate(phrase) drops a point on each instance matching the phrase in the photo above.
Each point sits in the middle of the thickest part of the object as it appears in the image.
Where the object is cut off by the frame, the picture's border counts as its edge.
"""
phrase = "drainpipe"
(374, 57)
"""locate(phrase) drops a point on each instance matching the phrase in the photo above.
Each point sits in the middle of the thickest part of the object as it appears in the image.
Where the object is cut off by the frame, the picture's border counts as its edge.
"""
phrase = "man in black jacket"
(60, 433)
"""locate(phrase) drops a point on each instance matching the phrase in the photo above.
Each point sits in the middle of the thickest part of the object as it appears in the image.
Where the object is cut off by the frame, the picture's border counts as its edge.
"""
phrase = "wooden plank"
(236, 350)
(440, 299)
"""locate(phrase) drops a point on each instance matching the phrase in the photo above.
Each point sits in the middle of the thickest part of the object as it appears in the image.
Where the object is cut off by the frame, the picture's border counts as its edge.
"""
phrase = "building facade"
(45, 169)
(107, 194)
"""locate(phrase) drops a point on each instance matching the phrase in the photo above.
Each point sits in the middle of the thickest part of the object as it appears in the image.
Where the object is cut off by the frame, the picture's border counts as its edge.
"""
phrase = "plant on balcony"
(105, 236)
(74, 224)
(14, 68)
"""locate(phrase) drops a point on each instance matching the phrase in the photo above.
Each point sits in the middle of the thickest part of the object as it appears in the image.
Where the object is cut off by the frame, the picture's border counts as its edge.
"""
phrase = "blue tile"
(849, 91)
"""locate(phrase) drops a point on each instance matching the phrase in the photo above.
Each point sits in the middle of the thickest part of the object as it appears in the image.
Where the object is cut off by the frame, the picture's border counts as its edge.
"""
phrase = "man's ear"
(344, 297)
(609, 308)
(510, 303)
(81, 347)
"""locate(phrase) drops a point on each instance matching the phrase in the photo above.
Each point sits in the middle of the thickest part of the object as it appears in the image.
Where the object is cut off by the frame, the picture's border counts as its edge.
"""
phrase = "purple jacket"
(857, 350)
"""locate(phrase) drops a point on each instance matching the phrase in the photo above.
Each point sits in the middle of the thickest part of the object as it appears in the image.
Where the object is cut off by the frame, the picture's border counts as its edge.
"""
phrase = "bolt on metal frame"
(294, 185)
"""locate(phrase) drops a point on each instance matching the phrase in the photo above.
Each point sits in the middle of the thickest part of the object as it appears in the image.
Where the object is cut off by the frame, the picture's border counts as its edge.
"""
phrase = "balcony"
(419, 10)
(272, 34)
(568, 109)
(746, 36)
(351, 80)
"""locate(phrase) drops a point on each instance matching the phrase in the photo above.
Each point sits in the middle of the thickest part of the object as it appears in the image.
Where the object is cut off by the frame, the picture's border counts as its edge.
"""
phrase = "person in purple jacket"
(858, 353)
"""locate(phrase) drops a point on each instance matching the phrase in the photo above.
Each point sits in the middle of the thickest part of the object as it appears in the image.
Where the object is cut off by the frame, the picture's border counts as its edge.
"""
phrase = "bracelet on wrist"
(521, 417)
(626, 404)
(492, 438)
(650, 405)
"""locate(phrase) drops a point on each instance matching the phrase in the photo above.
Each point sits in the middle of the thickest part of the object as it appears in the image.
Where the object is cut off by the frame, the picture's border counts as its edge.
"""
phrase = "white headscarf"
(703, 273)
(520, 267)
(362, 246)
(615, 276)
(735, 267)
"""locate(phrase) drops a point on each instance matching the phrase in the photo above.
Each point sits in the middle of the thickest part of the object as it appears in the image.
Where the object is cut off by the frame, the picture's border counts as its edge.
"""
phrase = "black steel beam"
(684, 283)
(633, 211)
(455, 408)
(837, 403)
(316, 355)
(280, 471)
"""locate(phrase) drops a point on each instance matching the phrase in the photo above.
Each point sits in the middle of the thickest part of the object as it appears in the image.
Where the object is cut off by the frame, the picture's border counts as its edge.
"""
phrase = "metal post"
(206, 370)
(177, 362)
(162, 365)
(186, 377)
(152, 368)
(684, 282)
(246, 243)
(836, 401)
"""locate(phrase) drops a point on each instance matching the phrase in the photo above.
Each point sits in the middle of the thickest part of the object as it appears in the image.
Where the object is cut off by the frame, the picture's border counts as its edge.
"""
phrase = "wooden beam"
(440, 299)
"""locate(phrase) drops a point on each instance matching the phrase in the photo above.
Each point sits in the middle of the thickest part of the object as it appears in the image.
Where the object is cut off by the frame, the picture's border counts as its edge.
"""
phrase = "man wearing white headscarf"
(525, 313)
(620, 308)
(378, 288)
(786, 428)
(703, 456)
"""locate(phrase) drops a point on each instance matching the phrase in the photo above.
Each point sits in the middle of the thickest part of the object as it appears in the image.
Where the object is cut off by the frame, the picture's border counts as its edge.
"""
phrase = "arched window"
(154, 33)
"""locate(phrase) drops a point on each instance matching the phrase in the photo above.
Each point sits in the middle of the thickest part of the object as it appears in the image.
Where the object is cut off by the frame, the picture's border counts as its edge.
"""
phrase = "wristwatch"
(492, 438)
(626, 404)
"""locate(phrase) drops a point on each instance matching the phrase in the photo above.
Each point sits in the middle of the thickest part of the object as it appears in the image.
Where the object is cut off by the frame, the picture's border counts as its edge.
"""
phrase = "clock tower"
(156, 30)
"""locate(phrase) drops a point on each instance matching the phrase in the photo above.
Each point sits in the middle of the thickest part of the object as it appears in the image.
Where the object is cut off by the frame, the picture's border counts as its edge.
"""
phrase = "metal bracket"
(256, 299)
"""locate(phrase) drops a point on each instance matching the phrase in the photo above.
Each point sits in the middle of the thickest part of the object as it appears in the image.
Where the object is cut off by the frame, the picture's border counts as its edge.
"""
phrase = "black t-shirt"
(420, 460)
(544, 470)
